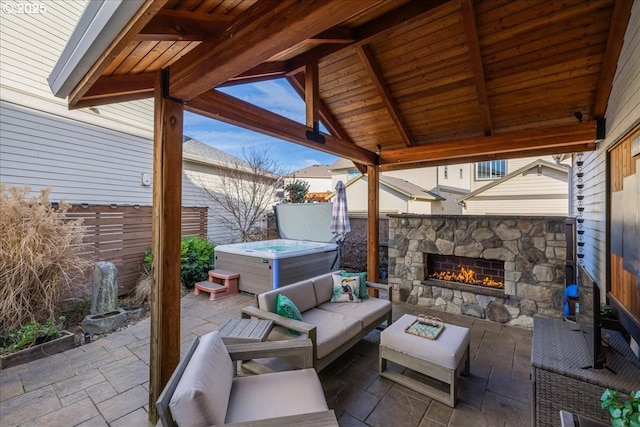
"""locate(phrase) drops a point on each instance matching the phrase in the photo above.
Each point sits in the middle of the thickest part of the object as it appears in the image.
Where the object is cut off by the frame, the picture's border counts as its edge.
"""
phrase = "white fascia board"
(98, 27)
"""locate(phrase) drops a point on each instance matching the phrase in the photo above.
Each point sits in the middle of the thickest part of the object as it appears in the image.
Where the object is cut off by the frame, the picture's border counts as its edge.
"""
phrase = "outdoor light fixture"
(578, 115)
(314, 135)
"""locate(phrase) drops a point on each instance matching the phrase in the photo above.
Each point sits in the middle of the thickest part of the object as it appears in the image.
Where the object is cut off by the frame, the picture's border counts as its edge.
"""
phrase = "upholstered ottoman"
(441, 359)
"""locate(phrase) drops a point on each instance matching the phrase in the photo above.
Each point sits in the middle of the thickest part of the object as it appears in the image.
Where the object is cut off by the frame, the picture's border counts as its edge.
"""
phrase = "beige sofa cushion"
(202, 395)
(301, 293)
(366, 311)
(323, 287)
(279, 394)
(333, 329)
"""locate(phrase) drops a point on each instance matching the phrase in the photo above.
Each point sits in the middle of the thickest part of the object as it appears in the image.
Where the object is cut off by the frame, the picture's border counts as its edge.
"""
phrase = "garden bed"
(58, 345)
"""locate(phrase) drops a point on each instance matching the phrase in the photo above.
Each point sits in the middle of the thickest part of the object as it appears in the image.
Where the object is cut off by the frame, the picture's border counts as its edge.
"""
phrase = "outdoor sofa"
(332, 327)
(204, 390)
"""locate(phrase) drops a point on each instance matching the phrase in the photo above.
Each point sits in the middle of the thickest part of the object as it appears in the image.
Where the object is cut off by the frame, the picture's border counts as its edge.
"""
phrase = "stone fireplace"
(526, 254)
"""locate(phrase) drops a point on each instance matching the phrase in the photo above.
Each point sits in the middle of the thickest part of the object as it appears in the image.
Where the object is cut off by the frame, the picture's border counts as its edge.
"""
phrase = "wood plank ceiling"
(398, 83)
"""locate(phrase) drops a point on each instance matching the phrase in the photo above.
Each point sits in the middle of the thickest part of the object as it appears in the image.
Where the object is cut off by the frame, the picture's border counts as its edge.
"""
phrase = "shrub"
(196, 259)
(29, 334)
(40, 256)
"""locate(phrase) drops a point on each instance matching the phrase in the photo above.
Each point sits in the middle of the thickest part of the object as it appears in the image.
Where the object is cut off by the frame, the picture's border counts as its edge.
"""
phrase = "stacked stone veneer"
(533, 250)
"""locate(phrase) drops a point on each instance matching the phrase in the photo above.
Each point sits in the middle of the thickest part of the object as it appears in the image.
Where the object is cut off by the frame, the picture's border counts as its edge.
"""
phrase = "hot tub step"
(221, 284)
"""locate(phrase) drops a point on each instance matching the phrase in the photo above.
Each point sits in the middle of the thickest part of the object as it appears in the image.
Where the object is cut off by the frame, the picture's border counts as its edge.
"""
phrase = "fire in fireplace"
(471, 271)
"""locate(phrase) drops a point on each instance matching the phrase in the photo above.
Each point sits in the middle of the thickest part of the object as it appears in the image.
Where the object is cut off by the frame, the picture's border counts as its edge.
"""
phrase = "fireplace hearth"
(523, 257)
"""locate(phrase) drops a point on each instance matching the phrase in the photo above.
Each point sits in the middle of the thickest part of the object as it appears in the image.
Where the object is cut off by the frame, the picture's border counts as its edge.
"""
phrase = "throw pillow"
(286, 308)
(345, 289)
(363, 282)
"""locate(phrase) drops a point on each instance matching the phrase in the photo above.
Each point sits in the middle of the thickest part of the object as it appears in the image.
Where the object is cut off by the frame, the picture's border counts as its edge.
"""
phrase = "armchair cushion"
(259, 397)
(202, 395)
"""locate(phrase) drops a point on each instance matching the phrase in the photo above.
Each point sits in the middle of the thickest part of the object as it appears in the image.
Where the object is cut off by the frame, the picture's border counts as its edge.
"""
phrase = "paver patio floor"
(106, 382)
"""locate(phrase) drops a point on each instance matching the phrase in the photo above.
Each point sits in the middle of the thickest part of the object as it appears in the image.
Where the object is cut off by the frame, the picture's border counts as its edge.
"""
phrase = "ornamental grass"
(40, 256)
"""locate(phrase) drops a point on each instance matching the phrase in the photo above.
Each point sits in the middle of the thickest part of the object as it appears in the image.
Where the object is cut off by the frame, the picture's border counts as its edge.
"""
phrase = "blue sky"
(273, 95)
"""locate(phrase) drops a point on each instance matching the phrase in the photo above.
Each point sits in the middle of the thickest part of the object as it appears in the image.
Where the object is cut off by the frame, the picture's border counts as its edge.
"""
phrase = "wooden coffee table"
(241, 331)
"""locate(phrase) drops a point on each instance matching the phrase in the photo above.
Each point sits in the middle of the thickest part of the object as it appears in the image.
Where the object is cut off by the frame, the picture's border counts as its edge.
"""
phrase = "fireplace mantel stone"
(533, 250)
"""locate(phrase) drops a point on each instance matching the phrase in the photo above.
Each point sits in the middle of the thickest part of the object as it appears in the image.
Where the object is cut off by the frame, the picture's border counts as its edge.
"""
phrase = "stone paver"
(106, 382)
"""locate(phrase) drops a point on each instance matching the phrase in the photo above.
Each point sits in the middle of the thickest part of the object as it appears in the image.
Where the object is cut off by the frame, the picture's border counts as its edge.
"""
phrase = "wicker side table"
(559, 355)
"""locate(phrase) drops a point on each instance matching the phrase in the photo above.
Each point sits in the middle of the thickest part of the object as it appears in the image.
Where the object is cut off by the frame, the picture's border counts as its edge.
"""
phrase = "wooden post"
(166, 231)
(373, 225)
(312, 96)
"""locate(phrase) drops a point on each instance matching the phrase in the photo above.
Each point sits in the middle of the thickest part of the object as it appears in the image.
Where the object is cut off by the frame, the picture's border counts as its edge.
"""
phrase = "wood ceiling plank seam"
(518, 11)
(120, 58)
(432, 94)
(412, 37)
(348, 83)
(619, 23)
(540, 59)
(458, 72)
(376, 116)
(155, 51)
(394, 70)
(139, 20)
(260, 32)
(371, 65)
(368, 32)
(329, 77)
(411, 108)
(377, 106)
(579, 30)
(505, 31)
(477, 68)
(135, 57)
(233, 8)
(188, 5)
(460, 79)
(544, 75)
(176, 51)
(345, 97)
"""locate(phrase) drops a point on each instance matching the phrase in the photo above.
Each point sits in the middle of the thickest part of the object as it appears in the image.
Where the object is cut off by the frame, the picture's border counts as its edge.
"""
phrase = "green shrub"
(40, 256)
(196, 259)
(26, 336)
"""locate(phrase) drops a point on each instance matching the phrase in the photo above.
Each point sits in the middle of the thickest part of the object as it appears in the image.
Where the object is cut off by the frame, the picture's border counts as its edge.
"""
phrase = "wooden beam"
(371, 65)
(522, 142)
(404, 14)
(312, 95)
(477, 68)
(541, 152)
(333, 35)
(110, 89)
(617, 29)
(333, 126)
(262, 72)
(361, 168)
(167, 201)
(263, 30)
(373, 224)
(133, 27)
(226, 108)
(182, 25)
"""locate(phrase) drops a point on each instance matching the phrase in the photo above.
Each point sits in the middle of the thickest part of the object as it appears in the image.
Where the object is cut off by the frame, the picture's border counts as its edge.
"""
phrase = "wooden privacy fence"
(122, 234)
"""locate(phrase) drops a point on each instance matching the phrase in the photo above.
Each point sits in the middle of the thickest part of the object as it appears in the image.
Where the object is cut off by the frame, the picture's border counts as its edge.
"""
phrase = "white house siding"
(512, 165)
(623, 114)
(81, 163)
(193, 178)
(544, 194)
(391, 201)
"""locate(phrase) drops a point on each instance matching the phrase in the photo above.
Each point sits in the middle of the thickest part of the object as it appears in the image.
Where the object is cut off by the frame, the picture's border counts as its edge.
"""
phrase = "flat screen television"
(589, 318)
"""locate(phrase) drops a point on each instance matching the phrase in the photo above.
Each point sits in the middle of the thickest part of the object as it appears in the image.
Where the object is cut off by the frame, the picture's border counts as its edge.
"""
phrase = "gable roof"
(313, 171)
(397, 83)
(535, 164)
(402, 186)
(199, 152)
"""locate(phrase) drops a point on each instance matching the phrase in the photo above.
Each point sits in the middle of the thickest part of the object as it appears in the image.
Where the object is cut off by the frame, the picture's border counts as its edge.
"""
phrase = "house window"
(352, 173)
(446, 172)
(493, 169)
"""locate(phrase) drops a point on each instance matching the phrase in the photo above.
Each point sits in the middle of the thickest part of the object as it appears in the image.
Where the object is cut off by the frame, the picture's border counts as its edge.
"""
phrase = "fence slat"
(122, 235)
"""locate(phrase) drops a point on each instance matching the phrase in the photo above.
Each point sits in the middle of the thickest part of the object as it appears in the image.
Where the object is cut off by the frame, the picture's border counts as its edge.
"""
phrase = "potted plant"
(624, 412)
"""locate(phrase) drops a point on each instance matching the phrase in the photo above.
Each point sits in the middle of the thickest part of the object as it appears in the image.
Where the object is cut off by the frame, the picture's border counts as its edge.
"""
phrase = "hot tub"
(269, 264)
